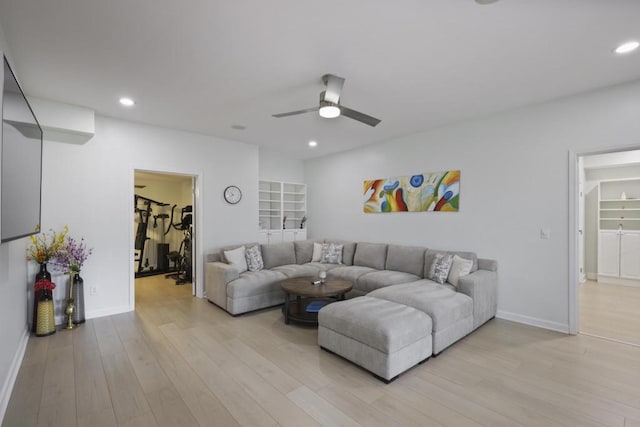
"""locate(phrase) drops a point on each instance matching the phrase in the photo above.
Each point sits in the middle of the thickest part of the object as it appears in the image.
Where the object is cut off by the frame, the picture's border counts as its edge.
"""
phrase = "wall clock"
(232, 194)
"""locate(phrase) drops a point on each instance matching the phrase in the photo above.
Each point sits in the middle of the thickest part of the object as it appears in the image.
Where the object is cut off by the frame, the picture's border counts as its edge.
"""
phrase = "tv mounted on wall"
(21, 170)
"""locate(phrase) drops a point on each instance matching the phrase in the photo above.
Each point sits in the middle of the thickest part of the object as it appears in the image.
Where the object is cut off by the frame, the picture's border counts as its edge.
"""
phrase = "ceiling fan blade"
(334, 87)
(293, 113)
(361, 117)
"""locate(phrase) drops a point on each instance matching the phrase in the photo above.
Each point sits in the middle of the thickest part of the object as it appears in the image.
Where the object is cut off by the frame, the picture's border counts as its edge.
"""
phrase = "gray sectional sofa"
(394, 317)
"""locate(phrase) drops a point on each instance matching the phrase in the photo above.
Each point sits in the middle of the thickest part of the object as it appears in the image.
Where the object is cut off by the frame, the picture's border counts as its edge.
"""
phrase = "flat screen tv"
(21, 152)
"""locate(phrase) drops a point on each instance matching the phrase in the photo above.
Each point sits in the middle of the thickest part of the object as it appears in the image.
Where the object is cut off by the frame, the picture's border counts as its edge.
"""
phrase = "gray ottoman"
(451, 312)
(383, 337)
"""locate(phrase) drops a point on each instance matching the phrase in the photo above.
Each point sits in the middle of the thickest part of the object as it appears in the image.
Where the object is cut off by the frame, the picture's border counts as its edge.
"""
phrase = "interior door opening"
(164, 227)
(607, 229)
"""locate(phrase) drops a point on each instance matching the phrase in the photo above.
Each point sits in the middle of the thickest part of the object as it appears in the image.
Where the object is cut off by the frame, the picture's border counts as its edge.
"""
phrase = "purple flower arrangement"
(73, 255)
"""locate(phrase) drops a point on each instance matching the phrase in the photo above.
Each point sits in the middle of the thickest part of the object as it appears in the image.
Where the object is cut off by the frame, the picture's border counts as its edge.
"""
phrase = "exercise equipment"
(162, 250)
(182, 258)
(144, 213)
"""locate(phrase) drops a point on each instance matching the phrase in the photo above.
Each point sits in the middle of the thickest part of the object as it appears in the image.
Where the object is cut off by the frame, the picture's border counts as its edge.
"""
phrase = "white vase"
(623, 196)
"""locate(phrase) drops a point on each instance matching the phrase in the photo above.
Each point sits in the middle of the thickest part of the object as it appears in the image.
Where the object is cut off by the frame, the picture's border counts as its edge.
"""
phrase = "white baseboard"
(107, 312)
(533, 321)
(608, 280)
(592, 276)
(60, 320)
(10, 381)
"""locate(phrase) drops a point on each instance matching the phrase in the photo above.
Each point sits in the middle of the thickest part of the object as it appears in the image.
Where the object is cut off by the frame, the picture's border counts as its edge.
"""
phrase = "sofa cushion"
(409, 259)
(378, 279)
(348, 249)
(381, 324)
(373, 255)
(430, 254)
(441, 303)
(487, 264)
(213, 257)
(237, 259)
(295, 270)
(321, 266)
(278, 254)
(254, 258)
(303, 250)
(450, 311)
(440, 267)
(351, 272)
(230, 247)
(460, 267)
(331, 253)
(317, 252)
(255, 283)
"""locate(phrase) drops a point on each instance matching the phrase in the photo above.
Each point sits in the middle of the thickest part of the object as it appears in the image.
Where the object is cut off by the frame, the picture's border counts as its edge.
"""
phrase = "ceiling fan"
(330, 104)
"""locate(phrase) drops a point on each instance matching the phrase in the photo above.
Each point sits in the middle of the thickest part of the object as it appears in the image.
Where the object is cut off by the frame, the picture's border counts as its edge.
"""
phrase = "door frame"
(574, 224)
(197, 286)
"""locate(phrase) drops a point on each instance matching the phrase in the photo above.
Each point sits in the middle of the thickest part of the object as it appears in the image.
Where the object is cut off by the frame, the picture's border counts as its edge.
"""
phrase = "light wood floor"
(610, 311)
(180, 361)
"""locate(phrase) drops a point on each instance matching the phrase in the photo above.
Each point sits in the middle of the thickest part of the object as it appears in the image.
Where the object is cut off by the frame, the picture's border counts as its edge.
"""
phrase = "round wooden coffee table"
(305, 293)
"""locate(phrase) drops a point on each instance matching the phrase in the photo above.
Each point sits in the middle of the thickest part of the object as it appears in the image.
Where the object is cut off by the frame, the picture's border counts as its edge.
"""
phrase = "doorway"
(605, 280)
(164, 229)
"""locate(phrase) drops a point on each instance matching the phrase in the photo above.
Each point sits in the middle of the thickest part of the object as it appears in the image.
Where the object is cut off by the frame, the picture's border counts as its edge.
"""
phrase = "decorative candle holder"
(71, 307)
(322, 275)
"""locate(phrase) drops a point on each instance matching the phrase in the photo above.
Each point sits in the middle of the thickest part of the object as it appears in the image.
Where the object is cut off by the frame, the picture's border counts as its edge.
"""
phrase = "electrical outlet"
(545, 233)
(93, 290)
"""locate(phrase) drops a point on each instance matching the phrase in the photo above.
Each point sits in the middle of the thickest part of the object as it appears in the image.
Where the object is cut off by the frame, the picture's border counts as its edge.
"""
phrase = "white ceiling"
(205, 65)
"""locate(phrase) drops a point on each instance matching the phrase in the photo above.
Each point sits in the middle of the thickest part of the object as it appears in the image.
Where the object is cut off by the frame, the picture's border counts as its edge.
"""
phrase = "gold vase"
(70, 308)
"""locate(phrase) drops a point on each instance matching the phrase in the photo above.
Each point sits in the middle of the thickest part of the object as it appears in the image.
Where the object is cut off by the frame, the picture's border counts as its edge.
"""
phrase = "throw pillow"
(331, 253)
(459, 267)
(439, 270)
(236, 259)
(317, 252)
(254, 258)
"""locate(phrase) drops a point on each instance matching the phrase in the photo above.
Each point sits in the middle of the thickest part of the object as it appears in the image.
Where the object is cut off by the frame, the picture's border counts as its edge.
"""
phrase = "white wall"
(13, 302)
(90, 188)
(514, 182)
(278, 166)
(592, 178)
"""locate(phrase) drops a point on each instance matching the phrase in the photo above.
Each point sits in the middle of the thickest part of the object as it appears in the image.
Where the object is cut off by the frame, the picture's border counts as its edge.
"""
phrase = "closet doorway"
(609, 258)
(164, 230)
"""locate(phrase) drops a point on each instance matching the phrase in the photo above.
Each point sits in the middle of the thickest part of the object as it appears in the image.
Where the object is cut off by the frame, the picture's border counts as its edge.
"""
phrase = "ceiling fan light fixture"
(329, 111)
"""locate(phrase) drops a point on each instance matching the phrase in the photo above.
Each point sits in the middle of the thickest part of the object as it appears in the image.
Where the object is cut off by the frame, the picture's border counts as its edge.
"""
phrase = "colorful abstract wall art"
(437, 191)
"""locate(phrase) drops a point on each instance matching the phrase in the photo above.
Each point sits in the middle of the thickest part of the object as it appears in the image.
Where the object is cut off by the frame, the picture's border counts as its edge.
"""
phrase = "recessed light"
(627, 47)
(127, 102)
(313, 144)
